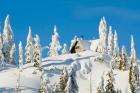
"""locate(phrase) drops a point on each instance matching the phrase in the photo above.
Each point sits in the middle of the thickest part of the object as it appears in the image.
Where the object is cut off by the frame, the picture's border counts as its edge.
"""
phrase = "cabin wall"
(78, 48)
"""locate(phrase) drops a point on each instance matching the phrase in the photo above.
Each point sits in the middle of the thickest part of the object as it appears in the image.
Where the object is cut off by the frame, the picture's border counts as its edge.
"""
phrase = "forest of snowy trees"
(32, 53)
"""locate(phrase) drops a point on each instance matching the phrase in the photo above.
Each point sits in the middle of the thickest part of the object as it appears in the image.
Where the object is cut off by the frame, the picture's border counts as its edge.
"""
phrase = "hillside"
(88, 71)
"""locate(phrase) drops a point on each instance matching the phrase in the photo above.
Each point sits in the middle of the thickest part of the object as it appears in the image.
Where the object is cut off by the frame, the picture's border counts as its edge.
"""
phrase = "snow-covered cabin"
(80, 45)
(83, 45)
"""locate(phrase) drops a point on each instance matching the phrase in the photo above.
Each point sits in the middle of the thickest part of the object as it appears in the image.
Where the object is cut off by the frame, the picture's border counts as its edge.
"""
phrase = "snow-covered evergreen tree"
(123, 62)
(2, 62)
(37, 54)
(72, 86)
(69, 86)
(110, 83)
(102, 34)
(132, 46)
(56, 88)
(29, 48)
(133, 51)
(116, 48)
(20, 56)
(65, 72)
(13, 53)
(116, 62)
(110, 41)
(63, 80)
(8, 41)
(62, 85)
(17, 88)
(134, 60)
(100, 88)
(43, 84)
(132, 78)
(65, 50)
(55, 44)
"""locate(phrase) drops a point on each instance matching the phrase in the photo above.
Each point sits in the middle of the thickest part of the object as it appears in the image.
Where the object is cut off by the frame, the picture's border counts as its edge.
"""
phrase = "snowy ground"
(87, 70)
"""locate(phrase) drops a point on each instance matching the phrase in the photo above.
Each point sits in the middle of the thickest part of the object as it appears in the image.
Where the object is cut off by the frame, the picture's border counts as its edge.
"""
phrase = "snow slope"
(89, 73)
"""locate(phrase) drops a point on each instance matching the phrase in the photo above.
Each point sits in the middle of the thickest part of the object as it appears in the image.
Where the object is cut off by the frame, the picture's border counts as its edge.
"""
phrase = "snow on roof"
(85, 44)
(89, 44)
(94, 44)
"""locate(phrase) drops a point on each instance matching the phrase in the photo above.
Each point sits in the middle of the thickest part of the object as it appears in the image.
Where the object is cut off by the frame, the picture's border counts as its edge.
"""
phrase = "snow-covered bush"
(85, 66)
(52, 68)
(65, 50)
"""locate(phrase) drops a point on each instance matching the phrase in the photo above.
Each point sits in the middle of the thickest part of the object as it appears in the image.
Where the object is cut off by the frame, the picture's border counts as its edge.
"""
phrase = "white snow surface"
(87, 70)
(94, 44)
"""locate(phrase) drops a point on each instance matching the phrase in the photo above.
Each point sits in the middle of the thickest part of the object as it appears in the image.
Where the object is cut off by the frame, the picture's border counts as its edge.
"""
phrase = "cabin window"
(77, 47)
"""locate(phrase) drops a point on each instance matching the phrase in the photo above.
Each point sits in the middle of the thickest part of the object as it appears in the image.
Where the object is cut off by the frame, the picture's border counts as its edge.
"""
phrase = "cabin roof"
(84, 44)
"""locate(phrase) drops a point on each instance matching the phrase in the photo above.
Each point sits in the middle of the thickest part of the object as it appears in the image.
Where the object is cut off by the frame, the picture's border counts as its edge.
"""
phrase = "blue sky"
(72, 17)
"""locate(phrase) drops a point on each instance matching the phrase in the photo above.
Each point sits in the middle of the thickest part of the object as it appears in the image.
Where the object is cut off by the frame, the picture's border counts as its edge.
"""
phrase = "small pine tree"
(65, 50)
(20, 58)
(17, 88)
(37, 53)
(132, 80)
(133, 74)
(116, 62)
(62, 85)
(65, 72)
(120, 64)
(43, 84)
(110, 86)
(118, 91)
(69, 86)
(56, 89)
(123, 61)
(100, 88)
(72, 86)
(63, 80)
